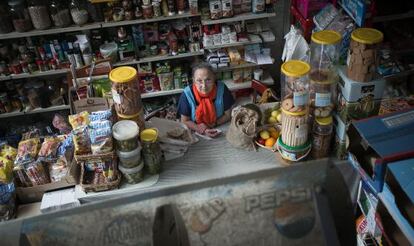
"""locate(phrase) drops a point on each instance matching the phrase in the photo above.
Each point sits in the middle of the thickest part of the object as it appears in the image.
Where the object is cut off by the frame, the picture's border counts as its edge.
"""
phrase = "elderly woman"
(206, 103)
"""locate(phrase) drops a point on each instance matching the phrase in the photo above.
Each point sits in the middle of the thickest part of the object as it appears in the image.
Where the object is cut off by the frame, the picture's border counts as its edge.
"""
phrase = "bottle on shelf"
(39, 14)
(5, 19)
(20, 16)
(59, 13)
(79, 12)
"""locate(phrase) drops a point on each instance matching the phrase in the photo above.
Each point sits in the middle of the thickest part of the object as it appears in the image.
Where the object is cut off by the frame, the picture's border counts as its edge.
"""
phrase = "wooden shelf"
(35, 111)
(242, 17)
(159, 58)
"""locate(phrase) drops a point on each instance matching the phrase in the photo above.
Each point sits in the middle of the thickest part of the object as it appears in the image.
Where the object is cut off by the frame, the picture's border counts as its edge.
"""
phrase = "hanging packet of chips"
(81, 141)
(6, 170)
(100, 115)
(27, 150)
(49, 148)
(80, 119)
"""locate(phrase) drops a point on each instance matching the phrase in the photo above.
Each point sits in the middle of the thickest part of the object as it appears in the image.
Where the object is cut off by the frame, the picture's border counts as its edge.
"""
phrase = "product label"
(116, 97)
(300, 98)
(322, 99)
(301, 131)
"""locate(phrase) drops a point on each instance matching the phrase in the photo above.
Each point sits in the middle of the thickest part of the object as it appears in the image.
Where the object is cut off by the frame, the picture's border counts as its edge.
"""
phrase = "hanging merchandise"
(39, 14)
(363, 55)
(151, 150)
(79, 12)
(6, 19)
(293, 142)
(323, 75)
(60, 14)
(20, 16)
(321, 137)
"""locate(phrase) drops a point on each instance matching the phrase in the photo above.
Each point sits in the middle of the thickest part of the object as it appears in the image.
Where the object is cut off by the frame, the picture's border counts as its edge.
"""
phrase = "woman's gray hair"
(203, 65)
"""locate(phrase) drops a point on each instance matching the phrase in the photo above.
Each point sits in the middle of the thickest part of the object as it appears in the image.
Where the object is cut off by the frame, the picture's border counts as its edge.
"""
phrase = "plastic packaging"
(109, 50)
(216, 11)
(363, 55)
(20, 15)
(81, 140)
(7, 201)
(125, 133)
(133, 175)
(80, 119)
(27, 150)
(130, 159)
(60, 14)
(227, 8)
(39, 14)
(100, 133)
(49, 148)
(6, 170)
(125, 90)
(79, 12)
(321, 137)
(37, 173)
(59, 169)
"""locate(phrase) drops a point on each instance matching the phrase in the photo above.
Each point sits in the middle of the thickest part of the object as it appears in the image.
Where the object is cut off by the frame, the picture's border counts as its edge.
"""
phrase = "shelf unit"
(254, 39)
(159, 58)
(34, 75)
(241, 17)
(35, 111)
(229, 83)
(244, 65)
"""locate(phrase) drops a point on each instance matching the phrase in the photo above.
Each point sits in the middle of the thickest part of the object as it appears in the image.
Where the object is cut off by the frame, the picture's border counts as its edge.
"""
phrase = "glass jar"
(39, 87)
(59, 13)
(20, 16)
(151, 150)
(5, 19)
(181, 6)
(125, 91)
(156, 7)
(79, 12)
(39, 14)
(363, 55)
(321, 137)
(147, 12)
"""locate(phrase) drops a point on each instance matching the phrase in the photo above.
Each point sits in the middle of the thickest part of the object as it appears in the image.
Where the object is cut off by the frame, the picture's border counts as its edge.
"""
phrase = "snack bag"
(59, 169)
(100, 115)
(78, 120)
(27, 150)
(100, 132)
(7, 201)
(49, 148)
(66, 144)
(20, 176)
(6, 170)
(81, 141)
(37, 173)
(8, 152)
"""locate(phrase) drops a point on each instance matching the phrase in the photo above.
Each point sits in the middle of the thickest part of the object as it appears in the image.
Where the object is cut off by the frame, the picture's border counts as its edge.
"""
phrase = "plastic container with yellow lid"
(363, 55)
(151, 150)
(294, 127)
(295, 85)
(125, 90)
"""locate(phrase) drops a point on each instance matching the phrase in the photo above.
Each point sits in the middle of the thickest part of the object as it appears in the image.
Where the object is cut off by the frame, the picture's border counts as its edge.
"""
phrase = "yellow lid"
(324, 121)
(122, 74)
(295, 68)
(299, 113)
(367, 35)
(149, 135)
(326, 37)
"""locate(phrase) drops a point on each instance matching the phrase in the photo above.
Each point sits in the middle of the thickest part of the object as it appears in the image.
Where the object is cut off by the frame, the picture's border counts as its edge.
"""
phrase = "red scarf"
(206, 110)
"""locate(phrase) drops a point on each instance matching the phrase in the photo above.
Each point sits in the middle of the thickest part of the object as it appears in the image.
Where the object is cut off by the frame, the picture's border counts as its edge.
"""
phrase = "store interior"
(206, 122)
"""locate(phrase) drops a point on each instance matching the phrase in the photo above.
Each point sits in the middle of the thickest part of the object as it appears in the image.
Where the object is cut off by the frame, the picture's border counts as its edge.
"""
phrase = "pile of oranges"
(268, 137)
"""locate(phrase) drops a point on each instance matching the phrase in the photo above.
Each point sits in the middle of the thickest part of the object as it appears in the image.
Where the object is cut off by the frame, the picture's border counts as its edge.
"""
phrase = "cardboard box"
(348, 111)
(379, 140)
(354, 91)
(400, 179)
(35, 193)
(60, 199)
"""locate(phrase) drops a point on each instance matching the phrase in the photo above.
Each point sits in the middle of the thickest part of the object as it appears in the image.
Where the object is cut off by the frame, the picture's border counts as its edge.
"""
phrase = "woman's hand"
(201, 128)
(212, 133)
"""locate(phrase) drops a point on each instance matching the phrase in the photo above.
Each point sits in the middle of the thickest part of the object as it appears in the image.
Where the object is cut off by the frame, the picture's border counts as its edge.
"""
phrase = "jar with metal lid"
(151, 150)
(79, 11)
(5, 19)
(323, 76)
(321, 137)
(4, 99)
(39, 14)
(363, 55)
(20, 16)
(295, 86)
(125, 90)
(59, 13)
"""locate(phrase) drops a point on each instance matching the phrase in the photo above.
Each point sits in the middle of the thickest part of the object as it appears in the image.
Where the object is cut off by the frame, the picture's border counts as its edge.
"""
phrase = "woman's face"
(203, 80)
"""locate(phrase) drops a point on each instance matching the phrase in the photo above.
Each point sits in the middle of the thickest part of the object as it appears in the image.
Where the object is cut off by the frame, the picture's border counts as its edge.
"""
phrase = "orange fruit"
(272, 129)
(274, 134)
(270, 142)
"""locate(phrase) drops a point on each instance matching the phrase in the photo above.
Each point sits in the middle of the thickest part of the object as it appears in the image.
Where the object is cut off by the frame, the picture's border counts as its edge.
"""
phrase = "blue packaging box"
(379, 140)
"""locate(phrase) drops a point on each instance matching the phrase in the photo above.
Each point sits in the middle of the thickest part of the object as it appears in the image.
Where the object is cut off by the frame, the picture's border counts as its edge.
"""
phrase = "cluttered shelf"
(34, 75)
(241, 17)
(253, 39)
(35, 111)
(240, 66)
(159, 58)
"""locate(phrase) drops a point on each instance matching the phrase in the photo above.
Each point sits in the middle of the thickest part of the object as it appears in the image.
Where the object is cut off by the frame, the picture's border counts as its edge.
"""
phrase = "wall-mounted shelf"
(159, 58)
(241, 17)
(254, 39)
(35, 111)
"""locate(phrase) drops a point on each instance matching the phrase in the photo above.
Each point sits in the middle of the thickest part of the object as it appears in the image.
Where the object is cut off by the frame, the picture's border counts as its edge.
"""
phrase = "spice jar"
(39, 14)
(79, 12)
(156, 8)
(323, 76)
(5, 19)
(147, 11)
(59, 13)
(20, 16)
(363, 55)
(125, 133)
(151, 150)
(4, 99)
(321, 137)
(125, 90)
(295, 85)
